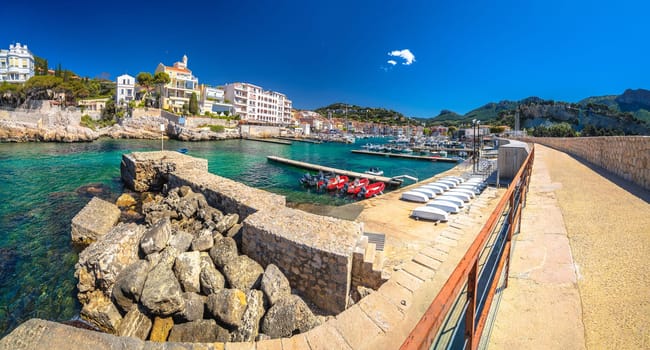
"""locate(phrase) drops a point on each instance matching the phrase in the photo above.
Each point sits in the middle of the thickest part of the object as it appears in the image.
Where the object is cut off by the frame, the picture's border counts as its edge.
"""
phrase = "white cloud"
(391, 62)
(406, 54)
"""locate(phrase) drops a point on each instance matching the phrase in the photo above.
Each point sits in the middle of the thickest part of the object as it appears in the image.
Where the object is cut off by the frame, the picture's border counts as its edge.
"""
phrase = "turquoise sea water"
(43, 185)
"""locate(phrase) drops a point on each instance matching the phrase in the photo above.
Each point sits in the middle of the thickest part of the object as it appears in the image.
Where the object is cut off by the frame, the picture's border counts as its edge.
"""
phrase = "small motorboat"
(337, 182)
(447, 198)
(182, 150)
(430, 213)
(444, 205)
(355, 186)
(375, 172)
(413, 196)
(429, 192)
(309, 180)
(372, 189)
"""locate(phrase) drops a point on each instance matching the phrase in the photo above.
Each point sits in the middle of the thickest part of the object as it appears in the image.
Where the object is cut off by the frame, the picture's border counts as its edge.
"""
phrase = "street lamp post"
(474, 145)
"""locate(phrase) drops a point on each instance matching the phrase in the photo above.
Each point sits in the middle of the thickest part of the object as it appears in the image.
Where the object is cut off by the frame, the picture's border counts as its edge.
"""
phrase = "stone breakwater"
(625, 156)
(182, 277)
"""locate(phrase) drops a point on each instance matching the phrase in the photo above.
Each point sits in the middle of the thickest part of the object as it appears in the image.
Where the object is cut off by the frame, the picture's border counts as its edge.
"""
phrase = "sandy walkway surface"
(608, 230)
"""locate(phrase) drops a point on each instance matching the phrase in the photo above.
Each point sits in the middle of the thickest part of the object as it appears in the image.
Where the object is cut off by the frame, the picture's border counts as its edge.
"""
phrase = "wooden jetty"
(350, 174)
(280, 142)
(407, 156)
(299, 140)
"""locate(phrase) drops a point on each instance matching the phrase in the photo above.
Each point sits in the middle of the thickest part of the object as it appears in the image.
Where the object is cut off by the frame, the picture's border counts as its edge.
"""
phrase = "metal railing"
(457, 316)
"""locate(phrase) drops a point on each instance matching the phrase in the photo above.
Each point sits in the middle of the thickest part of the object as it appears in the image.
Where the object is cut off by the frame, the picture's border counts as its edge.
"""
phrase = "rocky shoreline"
(140, 128)
(180, 276)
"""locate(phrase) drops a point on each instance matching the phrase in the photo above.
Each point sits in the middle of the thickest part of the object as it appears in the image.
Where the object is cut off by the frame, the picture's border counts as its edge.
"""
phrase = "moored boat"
(372, 189)
(355, 186)
(337, 182)
(375, 171)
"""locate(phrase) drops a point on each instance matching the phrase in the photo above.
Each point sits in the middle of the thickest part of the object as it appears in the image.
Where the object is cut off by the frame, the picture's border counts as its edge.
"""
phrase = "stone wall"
(625, 156)
(259, 130)
(224, 194)
(146, 171)
(145, 112)
(314, 252)
(195, 122)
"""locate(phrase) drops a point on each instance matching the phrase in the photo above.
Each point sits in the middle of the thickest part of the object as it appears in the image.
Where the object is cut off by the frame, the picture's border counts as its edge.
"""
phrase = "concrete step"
(369, 255)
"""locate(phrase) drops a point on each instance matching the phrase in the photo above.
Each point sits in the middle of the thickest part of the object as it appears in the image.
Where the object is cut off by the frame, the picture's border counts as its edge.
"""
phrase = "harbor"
(407, 156)
(352, 174)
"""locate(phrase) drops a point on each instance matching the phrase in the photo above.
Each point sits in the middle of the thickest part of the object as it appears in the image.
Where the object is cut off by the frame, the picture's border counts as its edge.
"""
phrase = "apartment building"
(178, 91)
(16, 64)
(213, 100)
(252, 103)
(125, 89)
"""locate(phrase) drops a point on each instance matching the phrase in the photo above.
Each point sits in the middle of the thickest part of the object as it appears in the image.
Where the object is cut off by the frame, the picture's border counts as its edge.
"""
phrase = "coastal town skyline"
(417, 59)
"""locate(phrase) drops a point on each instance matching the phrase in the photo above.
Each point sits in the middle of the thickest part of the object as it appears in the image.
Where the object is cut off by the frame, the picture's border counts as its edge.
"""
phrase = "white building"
(16, 64)
(213, 101)
(125, 92)
(181, 86)
(253, 103)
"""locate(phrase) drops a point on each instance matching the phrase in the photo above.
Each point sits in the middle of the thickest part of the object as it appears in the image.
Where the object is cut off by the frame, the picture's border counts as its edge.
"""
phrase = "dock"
(299, 140)
(350, 174)
(280, 142)
(407, 156)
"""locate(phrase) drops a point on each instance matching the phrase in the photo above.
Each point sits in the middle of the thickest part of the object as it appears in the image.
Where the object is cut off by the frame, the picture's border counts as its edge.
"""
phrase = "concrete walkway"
(579, 274)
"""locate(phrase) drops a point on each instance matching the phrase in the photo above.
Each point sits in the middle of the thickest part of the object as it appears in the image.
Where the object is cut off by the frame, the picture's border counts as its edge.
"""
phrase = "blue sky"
(318, 53)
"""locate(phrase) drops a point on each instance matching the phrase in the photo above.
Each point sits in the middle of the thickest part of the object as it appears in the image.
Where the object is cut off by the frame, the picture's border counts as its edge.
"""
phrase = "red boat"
(372, 189)
(337, 182)
(356, 186)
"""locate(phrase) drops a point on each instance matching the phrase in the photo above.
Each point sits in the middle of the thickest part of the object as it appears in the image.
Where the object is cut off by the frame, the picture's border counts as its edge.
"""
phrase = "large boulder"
(125, 201)
(161, 328)
(135, 324)
(203, 242)
(95, 220)
(188, 269)
(181, 241)
(243, 273)
(199, 331)
(156, 238)
(211, 279)
(224, 250)
(288, 315)
(101, 263)
(227, 222)
(162, 295)
(250, 323)
(194, 307)
(227, 306)
(129, 284)
(274, 284)
(100, 311)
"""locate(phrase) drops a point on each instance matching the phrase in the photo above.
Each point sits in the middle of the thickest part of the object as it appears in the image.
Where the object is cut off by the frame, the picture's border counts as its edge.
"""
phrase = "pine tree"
(194, 104)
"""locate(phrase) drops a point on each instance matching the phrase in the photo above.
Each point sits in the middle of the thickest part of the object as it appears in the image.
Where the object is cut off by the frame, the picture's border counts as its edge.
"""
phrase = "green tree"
(194, 104)
(40, 66)
(145, 80)
(11, 95)
(159, 80)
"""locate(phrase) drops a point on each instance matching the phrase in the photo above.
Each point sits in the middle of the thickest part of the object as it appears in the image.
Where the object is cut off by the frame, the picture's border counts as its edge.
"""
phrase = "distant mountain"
(628, 113)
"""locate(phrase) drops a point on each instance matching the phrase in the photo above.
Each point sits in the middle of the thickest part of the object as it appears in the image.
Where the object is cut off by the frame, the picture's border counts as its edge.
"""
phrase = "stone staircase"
(368, 265)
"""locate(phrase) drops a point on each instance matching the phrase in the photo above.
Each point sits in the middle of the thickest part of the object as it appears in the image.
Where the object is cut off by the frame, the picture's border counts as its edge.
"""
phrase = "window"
(122, 93)
(128, 92)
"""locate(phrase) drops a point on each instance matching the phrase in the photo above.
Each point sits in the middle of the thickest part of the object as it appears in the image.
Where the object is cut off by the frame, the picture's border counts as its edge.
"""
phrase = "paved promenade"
(580, 271)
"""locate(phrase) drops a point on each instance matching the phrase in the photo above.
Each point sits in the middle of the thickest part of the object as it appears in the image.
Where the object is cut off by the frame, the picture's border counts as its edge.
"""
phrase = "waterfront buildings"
(254, 104)
(213, 101)
(16, 64)
(182, 84)
(125, 89)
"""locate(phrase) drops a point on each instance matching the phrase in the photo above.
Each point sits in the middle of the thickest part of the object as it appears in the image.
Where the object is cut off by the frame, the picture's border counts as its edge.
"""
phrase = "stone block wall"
(625, 156)
(147, 171)
(314, 252)
(226, 195)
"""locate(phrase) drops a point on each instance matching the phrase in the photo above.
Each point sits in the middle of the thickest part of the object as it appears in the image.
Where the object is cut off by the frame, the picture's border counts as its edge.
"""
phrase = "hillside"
(627, 113)
(367, 114)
